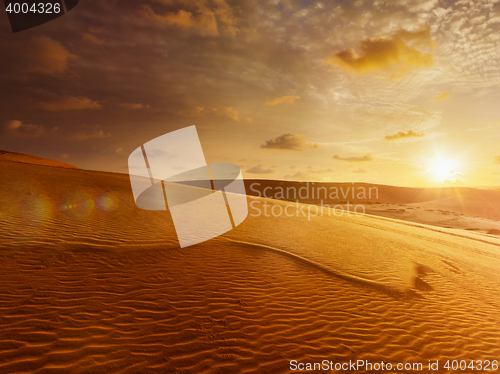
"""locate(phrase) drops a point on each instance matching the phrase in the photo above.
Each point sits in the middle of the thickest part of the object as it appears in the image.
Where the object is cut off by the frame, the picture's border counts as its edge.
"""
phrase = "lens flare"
(79, 205)
(106, 202)
(36, 212)
(38, 209)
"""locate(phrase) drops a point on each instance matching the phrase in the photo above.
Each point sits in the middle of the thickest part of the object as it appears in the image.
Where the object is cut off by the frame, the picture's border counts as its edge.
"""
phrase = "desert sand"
(90, 283)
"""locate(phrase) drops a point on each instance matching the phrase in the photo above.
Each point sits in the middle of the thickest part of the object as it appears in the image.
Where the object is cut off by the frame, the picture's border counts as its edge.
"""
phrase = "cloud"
(204, 22)
(394, 55)
(92, 38)
(309, 174)
(134, 106)
(496, 160)
(403, 135)
(228, 112)
(199, 111)
(300, 175)
(321, 171)
(202, 16)
(283, 100)
(293, 142)
(259, 170)
(18, 129)
(226, 18)
(70, 103)
(442, 96)
(97, 133)
(48, 56)
(367, 157)
(359, 171)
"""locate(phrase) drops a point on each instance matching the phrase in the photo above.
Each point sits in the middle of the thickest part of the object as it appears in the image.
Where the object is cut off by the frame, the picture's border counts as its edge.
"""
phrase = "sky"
(402, 92)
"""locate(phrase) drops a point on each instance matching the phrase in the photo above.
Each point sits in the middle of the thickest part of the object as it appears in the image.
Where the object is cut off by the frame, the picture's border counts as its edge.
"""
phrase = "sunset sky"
(394, 92)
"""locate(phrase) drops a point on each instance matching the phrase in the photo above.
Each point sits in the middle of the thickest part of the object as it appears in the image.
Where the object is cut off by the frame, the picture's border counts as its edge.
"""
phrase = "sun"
(443, 169)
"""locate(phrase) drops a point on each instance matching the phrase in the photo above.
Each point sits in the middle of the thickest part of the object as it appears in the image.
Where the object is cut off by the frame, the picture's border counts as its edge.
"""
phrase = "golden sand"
(91, 284)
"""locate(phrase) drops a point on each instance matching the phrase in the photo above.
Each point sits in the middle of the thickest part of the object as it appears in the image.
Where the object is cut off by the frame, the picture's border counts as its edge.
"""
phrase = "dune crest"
(29, 159)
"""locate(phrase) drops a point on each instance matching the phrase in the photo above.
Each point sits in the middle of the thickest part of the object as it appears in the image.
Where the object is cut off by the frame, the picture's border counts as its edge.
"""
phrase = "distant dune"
(452, 207)
(21, 157)
(323, 191)
(91, 283)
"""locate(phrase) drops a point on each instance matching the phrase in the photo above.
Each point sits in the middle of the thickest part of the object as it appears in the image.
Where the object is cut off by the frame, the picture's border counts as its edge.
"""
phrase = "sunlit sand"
(91, 283)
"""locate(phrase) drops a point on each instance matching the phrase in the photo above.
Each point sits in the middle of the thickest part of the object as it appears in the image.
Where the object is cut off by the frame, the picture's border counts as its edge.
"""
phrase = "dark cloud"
(300, 175)
(92, 38)
(18, 129)
(259, 170)
(293, 142)
(48, 56)
(90, 132)
(98, 134)
(135, 105)
(70, 103)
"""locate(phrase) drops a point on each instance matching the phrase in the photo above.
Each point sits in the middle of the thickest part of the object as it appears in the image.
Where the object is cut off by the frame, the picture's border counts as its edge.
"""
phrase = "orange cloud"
(367, 157)
(394, 55)
(48, 56)
(134, 106)
(294, 142)
(442, 96)
(200, 111)
(70, 103)
(92, 38)
(259, 170)
(283, 100)
(403, 135)
(228, 112)
(203, 16)
(93, 134)
(18, 129)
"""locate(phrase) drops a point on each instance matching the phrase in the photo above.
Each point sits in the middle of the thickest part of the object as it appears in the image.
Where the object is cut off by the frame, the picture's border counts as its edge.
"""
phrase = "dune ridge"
(29, 159)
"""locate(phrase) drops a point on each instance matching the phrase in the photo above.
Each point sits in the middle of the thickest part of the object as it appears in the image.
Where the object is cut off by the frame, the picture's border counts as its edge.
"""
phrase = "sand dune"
(450, 207)
(91, 284)
(485, 201)
(29, 159)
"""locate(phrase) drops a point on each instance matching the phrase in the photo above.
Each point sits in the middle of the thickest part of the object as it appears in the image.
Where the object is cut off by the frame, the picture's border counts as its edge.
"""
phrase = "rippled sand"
(91, 284)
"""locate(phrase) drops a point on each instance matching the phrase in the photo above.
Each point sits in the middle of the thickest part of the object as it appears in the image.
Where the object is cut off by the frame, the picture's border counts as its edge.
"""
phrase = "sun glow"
(443, 169)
